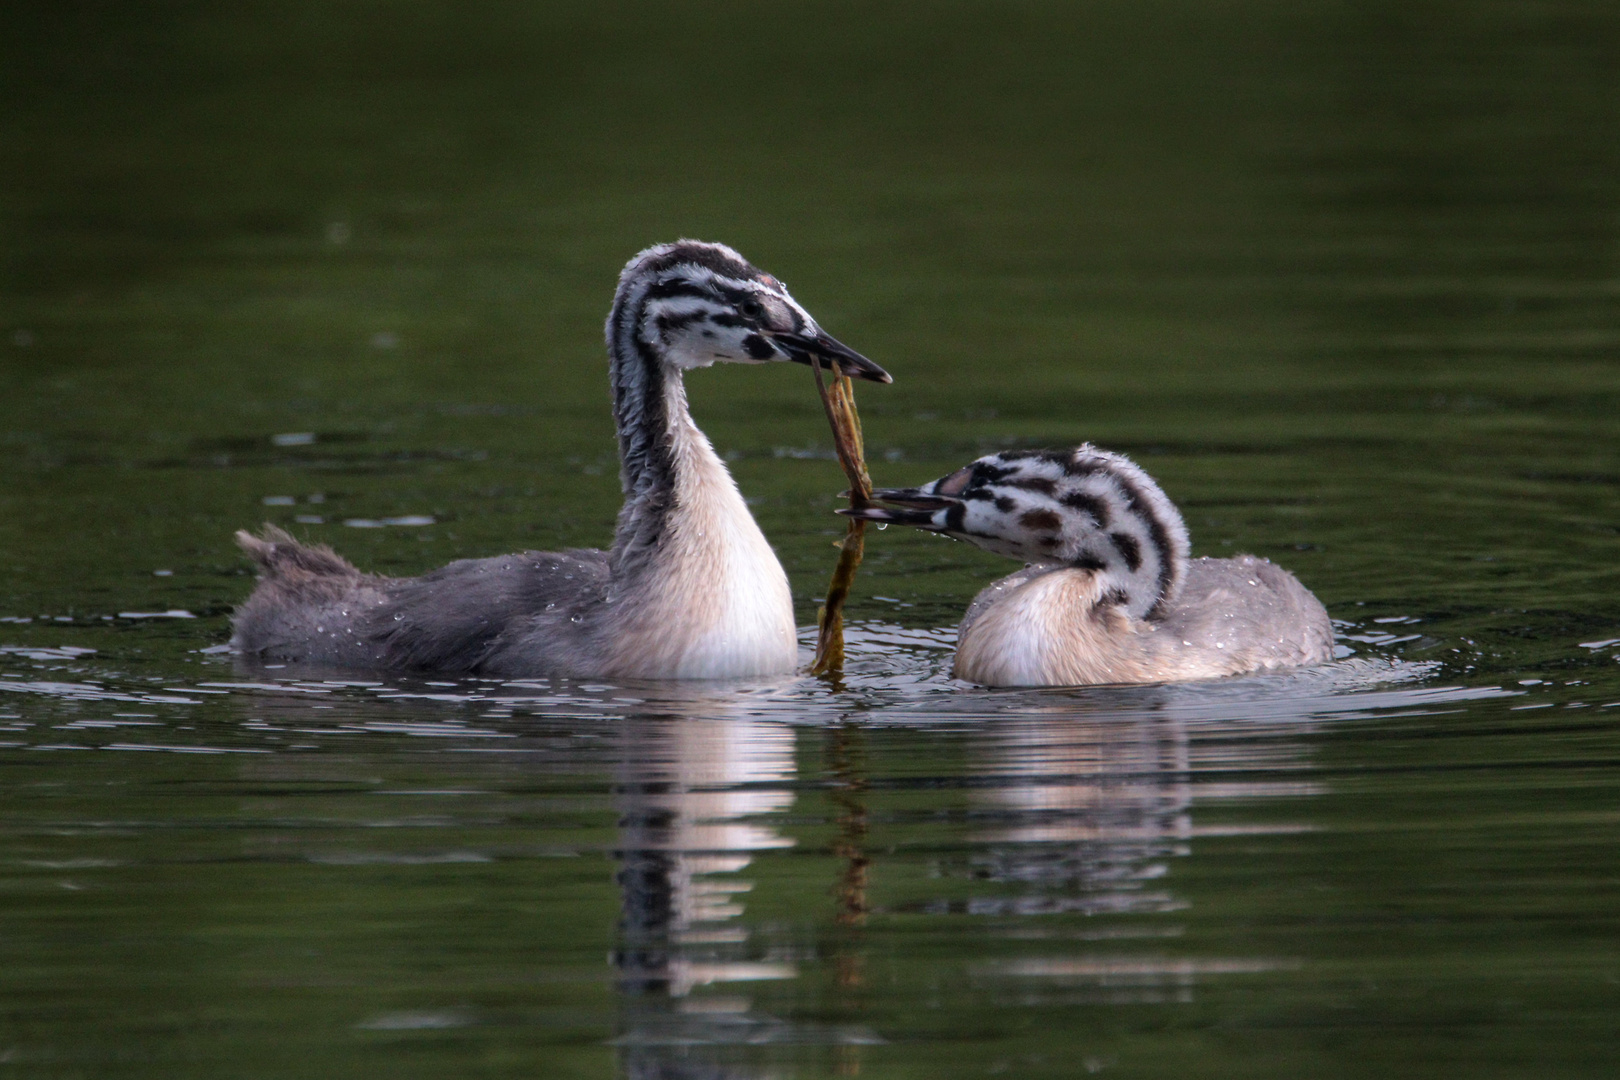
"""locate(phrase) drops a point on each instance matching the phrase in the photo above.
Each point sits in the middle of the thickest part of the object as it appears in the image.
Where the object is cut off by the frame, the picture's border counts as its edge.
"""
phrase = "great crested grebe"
(1109, 595)
(690, 588)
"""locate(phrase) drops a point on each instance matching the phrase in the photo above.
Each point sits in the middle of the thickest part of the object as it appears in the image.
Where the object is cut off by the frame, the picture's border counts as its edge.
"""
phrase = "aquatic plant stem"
(839, 402)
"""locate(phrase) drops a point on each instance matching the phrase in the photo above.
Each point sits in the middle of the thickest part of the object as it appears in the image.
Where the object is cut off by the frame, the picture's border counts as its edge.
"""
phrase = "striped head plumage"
(1085, 508)
(693, 304)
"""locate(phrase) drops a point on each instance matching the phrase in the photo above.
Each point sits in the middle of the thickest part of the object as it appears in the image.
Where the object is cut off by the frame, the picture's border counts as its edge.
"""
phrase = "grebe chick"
(1109, 595)
(689, 589)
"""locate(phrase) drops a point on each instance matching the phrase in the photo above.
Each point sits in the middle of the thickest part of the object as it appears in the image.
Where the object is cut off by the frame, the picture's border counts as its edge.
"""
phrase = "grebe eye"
(751, 308)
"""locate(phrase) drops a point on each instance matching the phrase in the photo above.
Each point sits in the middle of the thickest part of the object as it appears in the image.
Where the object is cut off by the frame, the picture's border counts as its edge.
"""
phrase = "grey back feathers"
(313, 606)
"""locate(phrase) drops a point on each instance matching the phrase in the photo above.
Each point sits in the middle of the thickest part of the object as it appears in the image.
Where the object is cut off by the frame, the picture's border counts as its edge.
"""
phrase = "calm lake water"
(1344, 277)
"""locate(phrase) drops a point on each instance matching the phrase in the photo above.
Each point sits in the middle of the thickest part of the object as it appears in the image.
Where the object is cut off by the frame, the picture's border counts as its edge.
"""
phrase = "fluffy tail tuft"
(282, 558)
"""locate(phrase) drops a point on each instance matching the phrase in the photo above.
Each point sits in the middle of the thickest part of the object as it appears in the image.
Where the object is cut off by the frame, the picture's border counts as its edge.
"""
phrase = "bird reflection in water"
(1085, 813)
(690, 792)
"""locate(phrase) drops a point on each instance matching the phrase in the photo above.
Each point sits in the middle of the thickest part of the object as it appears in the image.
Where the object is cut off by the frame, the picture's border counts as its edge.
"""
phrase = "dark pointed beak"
(830, 353)
(916, 498)
(920, 519)
(912, 506)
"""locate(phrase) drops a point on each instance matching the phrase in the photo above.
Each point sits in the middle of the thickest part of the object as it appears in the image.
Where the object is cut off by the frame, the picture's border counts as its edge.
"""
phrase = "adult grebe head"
(693, 304)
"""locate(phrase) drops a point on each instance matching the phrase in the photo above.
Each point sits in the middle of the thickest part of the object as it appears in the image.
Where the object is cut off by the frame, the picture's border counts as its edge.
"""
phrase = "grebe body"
(690, 588)
(1109, 594)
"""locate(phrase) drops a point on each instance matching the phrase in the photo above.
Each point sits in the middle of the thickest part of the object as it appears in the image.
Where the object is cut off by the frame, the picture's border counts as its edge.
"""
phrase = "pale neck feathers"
(696, 590)
(1052, 628)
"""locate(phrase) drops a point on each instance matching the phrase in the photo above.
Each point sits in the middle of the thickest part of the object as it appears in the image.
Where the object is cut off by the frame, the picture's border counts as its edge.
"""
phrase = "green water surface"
(1345, 277)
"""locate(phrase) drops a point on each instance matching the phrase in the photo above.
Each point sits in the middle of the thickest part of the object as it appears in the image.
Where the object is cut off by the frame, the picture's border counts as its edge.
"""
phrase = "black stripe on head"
(1033, 483)
(955, 517)
(987, 472)
(1097, 508)
(722, 264)
(1089, 562)
(677, 286)
(1005, 505)
(736, 297)
(1083, 466)
(758, 348)
(667, 323)
(709, 256)
(1045, 520)
(1157, 533)
(1129, 548)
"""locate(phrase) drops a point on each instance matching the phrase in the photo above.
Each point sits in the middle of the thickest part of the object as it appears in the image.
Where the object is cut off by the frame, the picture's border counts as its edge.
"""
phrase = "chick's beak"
(829, 352)
(912, 506)
(916, 498)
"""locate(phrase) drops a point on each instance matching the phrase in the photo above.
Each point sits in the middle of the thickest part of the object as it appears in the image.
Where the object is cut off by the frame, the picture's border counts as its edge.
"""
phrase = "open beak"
(912, 506)
(829, 352)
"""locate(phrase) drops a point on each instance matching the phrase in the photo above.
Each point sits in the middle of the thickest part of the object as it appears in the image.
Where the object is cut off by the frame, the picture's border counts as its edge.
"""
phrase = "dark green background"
(1343, 276)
